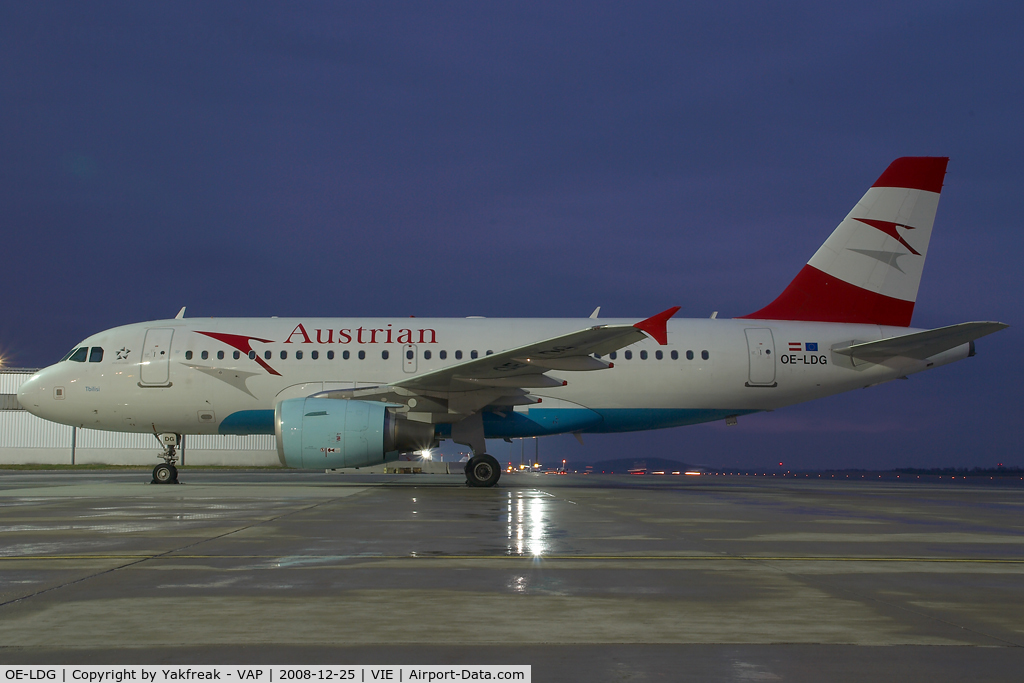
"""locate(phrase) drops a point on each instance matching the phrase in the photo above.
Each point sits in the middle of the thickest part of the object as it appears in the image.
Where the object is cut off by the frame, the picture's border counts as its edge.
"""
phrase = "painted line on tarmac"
(555, 558)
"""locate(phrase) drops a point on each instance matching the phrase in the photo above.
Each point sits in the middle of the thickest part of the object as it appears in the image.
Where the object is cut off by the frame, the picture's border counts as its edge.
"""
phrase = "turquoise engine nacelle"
(326, 433)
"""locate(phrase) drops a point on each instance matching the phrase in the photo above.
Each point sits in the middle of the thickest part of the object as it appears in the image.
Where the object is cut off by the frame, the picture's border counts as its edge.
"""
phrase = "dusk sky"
(519, 160)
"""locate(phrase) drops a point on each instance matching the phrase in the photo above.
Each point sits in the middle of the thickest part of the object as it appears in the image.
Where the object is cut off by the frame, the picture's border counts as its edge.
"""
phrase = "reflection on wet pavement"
(529, 520)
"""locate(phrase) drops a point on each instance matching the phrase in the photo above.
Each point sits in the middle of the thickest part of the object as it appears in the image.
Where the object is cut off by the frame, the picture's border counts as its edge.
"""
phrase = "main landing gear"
(482, 470)
(167, 473)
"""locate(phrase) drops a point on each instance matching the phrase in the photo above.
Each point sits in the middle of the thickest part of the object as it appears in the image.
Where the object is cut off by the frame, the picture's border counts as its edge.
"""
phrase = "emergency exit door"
(409, 358)
(761, 351)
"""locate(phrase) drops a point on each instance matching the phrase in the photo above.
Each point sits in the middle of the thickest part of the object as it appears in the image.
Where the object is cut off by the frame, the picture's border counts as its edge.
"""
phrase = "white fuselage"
(197, 376)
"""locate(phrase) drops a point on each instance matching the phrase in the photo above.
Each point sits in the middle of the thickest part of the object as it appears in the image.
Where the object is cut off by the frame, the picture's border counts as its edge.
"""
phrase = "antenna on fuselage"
(181, 314)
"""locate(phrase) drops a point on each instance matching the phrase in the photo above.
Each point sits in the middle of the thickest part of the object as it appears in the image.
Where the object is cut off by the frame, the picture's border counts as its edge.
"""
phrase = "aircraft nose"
(25, 393)
(32, 393)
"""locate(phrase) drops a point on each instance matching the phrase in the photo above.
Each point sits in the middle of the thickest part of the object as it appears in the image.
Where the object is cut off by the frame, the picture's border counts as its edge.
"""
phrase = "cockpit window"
(79, 355)
(96, 355)
(67, 355)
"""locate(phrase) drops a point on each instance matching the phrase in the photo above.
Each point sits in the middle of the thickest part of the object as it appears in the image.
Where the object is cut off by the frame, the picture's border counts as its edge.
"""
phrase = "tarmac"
(584, 577)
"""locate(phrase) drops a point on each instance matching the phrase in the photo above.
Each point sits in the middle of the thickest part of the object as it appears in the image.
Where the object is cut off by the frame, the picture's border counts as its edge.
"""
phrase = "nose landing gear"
(167, 473)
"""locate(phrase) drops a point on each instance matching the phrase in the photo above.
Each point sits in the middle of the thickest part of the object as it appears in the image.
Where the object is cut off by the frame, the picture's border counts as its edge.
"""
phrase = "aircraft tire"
(482, 471)
(165, 474)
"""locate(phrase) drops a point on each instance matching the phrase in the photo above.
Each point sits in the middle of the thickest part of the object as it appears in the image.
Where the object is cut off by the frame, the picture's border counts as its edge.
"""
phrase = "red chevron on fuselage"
(241, 342)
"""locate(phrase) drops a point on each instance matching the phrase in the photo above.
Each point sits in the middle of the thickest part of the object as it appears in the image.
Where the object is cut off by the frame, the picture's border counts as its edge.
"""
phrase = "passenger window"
(409, 354)
(205, 355)
(345, 355)
(96, 355)
(220, 355)
(643, 355)
(689, 355)
(613, 355)
(675, 355)
(489, 352)
(362, 355)
(267, 354)
(252, 355)
(330, 355)
(473, 354)
(444, 355)
(426, 355)
(79, 355)
(704, 355)
(188, 355)
(298, 355)
(458, 355)
(236, 355)
(314, 355)
(284, 355)
(384, 355)
(659, 355)
(628, 355)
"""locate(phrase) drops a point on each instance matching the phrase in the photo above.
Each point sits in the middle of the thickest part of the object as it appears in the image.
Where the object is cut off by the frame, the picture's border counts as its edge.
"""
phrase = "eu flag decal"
(810, 346)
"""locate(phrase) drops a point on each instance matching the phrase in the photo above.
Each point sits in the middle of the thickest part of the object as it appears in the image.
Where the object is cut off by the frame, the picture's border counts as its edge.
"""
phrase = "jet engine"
(327, 433)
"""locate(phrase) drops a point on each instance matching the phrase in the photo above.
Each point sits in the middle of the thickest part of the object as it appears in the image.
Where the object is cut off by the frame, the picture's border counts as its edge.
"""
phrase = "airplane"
(354, 392)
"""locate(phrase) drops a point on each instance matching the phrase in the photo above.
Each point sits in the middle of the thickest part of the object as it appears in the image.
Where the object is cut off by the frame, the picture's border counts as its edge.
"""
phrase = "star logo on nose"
(122, 354)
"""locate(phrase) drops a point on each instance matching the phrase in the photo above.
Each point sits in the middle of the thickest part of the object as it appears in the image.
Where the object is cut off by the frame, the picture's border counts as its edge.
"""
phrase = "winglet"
(656, 326)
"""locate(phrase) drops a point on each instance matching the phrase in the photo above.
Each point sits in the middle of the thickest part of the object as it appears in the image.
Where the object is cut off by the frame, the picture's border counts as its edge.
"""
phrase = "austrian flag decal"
(803, 346)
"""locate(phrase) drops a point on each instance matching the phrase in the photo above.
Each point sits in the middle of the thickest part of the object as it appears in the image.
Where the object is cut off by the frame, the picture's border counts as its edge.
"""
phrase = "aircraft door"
(409, 358)
(156, 357)
(761, 350)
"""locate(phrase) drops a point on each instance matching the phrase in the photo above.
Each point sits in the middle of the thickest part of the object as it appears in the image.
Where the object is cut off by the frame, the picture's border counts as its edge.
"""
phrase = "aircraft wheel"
(165, 474)
(482, 470)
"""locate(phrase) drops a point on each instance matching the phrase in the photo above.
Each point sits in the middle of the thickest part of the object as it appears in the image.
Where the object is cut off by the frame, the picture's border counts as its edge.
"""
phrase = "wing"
(920, 345)
(503, 379)
(526, 366)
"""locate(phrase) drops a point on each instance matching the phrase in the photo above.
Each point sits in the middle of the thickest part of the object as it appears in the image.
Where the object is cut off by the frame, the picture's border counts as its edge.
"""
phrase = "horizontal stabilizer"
(920, 345)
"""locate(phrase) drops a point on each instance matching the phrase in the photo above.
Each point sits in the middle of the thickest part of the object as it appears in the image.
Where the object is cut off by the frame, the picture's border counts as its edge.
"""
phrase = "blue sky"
(518, 159)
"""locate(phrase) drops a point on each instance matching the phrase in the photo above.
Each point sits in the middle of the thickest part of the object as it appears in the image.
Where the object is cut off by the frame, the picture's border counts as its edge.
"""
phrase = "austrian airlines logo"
(890, 229)
(242, 343)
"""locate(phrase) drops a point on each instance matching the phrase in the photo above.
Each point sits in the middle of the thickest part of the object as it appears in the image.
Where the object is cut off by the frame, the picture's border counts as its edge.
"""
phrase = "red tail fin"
(869, 269)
